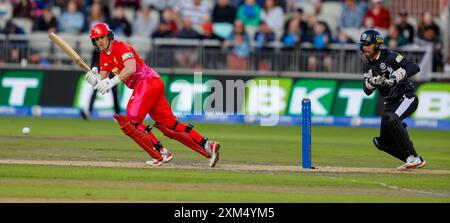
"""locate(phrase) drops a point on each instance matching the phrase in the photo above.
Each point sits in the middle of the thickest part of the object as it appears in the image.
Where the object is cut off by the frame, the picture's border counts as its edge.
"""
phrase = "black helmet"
(371, 36)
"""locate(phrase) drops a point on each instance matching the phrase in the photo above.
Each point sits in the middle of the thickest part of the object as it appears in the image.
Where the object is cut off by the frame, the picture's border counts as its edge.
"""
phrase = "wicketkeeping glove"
(396, 77)
(105, 85)
(93, 77)
(377, 81)
(373, 82)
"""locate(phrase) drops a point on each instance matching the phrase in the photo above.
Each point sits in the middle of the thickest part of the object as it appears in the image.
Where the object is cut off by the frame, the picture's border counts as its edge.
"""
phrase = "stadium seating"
(141, 44)
(222, 29)
(331, 11)
(130, 14)
(72, 40)
(39, 41)
(25, 23)
(307, 7)
(86, 48)
(149, 49)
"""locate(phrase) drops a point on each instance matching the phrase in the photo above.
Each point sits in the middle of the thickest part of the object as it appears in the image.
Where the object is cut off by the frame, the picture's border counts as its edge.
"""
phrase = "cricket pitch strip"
(223, 167)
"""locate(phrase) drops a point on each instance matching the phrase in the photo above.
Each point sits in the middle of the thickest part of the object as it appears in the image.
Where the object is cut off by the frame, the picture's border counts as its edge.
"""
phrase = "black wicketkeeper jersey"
(387, 63)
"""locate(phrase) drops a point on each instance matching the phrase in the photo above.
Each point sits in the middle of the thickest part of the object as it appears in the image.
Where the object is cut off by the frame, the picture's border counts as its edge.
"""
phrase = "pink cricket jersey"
(113, 61)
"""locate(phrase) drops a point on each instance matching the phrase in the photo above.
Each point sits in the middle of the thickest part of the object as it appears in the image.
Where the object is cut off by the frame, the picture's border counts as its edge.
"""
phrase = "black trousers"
(403, 108)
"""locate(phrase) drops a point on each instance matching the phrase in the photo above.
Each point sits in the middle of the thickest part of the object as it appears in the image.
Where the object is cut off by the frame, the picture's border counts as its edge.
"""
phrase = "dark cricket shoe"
(84, 114)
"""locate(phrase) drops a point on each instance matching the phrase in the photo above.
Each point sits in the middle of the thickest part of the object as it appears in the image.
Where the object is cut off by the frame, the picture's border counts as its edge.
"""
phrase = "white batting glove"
(93, 77)
(105, 85)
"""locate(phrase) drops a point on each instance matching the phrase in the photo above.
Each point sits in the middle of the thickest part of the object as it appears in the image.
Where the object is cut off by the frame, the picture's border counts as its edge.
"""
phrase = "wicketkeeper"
(390, 73)
(148, 98)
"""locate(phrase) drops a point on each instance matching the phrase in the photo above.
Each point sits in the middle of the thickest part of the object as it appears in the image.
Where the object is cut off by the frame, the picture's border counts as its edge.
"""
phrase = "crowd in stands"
(238, 24)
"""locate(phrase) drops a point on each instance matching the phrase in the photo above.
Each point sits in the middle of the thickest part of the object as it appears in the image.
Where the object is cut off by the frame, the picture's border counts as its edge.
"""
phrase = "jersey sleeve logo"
(398, 58)
(127, 55)
(116, 71)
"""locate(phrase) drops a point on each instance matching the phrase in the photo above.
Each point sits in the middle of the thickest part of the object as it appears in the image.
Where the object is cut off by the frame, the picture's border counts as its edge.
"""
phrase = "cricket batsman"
(147, 98)
(390, 73)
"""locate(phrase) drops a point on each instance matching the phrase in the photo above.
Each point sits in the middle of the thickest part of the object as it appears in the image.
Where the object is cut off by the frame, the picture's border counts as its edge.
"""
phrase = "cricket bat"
(69, 51)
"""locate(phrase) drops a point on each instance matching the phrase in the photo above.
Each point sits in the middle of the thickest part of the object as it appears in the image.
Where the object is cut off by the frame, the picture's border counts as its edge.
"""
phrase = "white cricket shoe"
(423, 162)
(167, 156)
(154, 162)
(411, 163)
(214, 148)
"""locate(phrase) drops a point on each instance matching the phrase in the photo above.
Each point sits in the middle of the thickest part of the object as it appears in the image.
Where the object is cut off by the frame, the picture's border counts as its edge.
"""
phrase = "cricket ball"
(26, 130)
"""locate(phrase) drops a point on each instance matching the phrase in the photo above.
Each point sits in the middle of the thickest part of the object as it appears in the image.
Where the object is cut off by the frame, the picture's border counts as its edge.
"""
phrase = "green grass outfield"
(258, 164)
